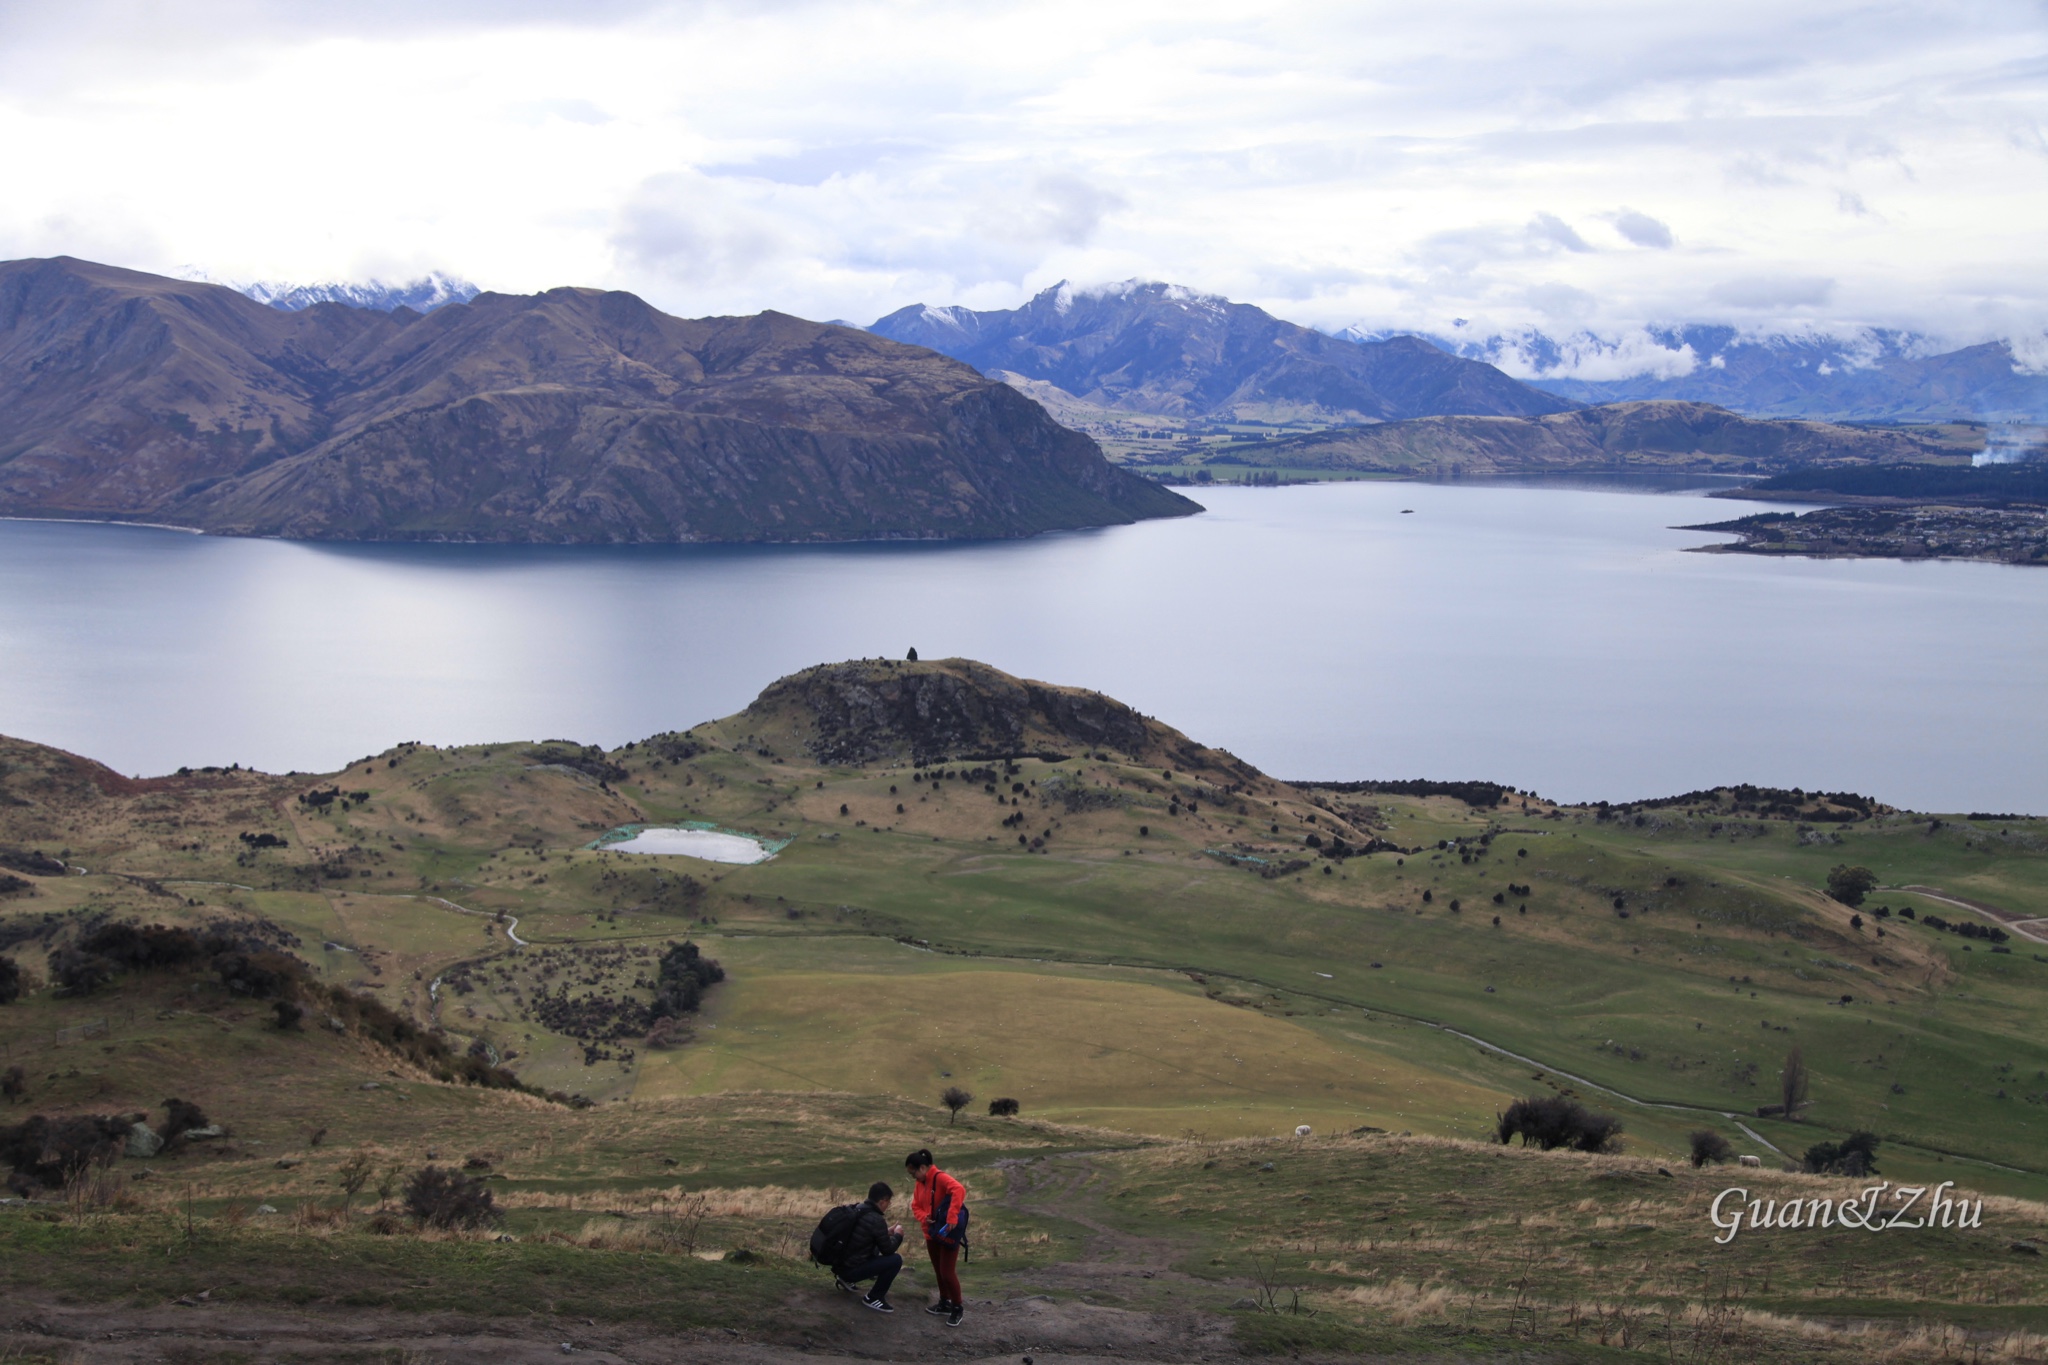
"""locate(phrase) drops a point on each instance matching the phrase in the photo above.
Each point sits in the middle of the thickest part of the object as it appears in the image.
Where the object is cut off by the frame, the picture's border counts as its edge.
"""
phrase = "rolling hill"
(1172, 961)
(572, 415)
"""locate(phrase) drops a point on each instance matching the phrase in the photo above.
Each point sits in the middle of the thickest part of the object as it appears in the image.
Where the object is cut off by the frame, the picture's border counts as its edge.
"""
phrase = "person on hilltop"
(938, 1204)
(868, 1251)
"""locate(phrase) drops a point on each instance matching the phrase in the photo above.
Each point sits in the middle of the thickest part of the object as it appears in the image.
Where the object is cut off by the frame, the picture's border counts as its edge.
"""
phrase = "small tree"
(955, 1099)
(1709, 1147)
(912, 656)
(10, 980)
(1850, 885)
(13, 1083)
(1792, 1083)
(352, 1175)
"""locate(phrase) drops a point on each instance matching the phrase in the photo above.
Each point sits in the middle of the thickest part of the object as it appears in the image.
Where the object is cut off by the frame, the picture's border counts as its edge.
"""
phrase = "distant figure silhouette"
(911, 657)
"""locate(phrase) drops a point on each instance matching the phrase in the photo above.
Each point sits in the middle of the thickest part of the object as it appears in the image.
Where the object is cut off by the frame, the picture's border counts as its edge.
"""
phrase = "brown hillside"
(573, 415)
(870, 712)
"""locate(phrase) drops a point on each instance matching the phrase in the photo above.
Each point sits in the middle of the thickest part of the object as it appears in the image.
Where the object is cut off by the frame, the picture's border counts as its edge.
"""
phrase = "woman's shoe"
(953, 1319)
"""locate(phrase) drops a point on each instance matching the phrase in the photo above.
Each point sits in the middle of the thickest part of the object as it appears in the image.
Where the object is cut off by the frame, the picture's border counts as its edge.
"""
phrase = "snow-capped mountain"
(1867, 375)
(1142, 346)
(422, 295)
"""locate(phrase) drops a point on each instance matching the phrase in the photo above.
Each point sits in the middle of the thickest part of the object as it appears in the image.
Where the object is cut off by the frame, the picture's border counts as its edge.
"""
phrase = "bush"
(1710, 1148)
(79, 973)
(13, 1084)
(49, 1153)
(180, 1118)
(1552, 1121)
(1003, 1108)
(440, 1198)
(10, 980)
(1854, 1155)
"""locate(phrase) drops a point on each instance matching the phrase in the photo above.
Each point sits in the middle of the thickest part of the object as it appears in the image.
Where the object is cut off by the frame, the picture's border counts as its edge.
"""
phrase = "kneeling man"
(871, 1249)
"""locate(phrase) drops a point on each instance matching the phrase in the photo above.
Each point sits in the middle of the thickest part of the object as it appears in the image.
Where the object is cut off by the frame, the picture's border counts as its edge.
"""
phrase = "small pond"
(712, 845)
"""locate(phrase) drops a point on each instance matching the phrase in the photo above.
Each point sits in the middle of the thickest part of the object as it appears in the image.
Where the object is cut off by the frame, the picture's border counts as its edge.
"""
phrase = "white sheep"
(1749, 1160)
(1303, 1131)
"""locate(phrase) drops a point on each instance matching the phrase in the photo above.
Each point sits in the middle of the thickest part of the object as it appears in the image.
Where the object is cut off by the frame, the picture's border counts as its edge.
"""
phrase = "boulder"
(143, 1141)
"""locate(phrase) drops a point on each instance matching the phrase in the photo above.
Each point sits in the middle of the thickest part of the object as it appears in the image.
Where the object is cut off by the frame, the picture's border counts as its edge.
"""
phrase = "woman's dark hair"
(879, 1191)
(918, 1160)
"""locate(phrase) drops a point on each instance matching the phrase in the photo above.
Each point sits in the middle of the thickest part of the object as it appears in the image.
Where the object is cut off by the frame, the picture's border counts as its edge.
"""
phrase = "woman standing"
(938, 1203)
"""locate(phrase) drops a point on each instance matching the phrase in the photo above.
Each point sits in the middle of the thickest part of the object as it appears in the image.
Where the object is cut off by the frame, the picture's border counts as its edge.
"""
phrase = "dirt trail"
(1045, 1318)
(821, 1329)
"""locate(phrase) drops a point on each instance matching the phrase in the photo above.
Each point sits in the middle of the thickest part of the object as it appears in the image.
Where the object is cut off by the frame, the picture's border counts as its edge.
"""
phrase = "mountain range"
(1870, 375)
(1160, 349)
(570, 415)
(422, 295)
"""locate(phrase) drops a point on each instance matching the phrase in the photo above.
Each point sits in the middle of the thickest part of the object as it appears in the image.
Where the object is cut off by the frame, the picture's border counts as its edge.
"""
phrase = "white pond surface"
(693, 843)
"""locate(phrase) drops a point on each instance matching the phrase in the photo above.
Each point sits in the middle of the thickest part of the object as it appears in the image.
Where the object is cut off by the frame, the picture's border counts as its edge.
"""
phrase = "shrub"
(1552, 1121)
(1710, 1148)
(79, 973)
(289, 1013)
(1003, 1108)
(1854, 1155)
(955, 1099)
(13, 1084)
(10, 980)
(667, 1033)
(49, 1153)
(441, 1198)
(180, 1118)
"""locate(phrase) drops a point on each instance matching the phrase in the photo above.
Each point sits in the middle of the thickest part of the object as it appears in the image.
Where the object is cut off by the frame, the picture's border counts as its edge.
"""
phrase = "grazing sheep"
(1303, 1131)
(1749, 1160)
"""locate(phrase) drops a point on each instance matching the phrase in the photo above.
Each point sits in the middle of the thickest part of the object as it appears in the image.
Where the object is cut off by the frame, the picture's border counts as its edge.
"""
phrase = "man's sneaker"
(840, 1284)
(939, 1309)
(953, 1319)
(879, 1305)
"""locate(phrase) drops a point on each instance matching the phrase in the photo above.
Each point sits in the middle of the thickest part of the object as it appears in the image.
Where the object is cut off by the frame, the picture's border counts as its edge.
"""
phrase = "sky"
(1572, 167)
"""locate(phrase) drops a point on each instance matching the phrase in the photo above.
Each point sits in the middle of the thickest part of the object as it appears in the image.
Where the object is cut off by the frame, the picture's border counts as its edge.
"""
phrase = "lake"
(1549, 635)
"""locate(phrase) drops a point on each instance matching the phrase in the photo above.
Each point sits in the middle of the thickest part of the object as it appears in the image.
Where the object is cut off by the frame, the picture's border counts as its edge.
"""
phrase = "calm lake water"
(1545, 636)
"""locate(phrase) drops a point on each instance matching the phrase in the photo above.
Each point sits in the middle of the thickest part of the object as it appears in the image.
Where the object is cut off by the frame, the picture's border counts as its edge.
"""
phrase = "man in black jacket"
(870, 1252)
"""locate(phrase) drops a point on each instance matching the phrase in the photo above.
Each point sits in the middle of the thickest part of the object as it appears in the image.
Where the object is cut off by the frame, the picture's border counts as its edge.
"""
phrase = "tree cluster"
(1553, 1121)
(1855, 1155)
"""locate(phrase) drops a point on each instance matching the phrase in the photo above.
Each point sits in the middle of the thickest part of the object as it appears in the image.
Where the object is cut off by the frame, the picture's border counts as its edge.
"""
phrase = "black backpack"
(834, 1230)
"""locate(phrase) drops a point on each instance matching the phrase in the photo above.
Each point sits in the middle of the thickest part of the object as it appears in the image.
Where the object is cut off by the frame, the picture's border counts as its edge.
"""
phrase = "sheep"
(1303, 1131)
(1749, 1160)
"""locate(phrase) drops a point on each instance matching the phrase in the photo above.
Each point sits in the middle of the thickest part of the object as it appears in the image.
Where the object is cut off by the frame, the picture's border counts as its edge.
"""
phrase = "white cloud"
(1643, 230)
(1382, 163)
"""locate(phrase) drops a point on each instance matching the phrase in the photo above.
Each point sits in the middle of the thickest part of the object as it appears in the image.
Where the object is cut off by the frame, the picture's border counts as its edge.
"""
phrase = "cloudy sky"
(1568, 166)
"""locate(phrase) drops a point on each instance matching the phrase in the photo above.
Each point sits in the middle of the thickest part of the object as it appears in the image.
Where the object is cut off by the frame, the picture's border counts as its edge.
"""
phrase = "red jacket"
(937, 1201)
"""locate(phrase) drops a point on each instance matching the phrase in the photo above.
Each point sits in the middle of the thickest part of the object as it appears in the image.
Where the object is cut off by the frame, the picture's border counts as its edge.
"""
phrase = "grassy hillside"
(1163, 966)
